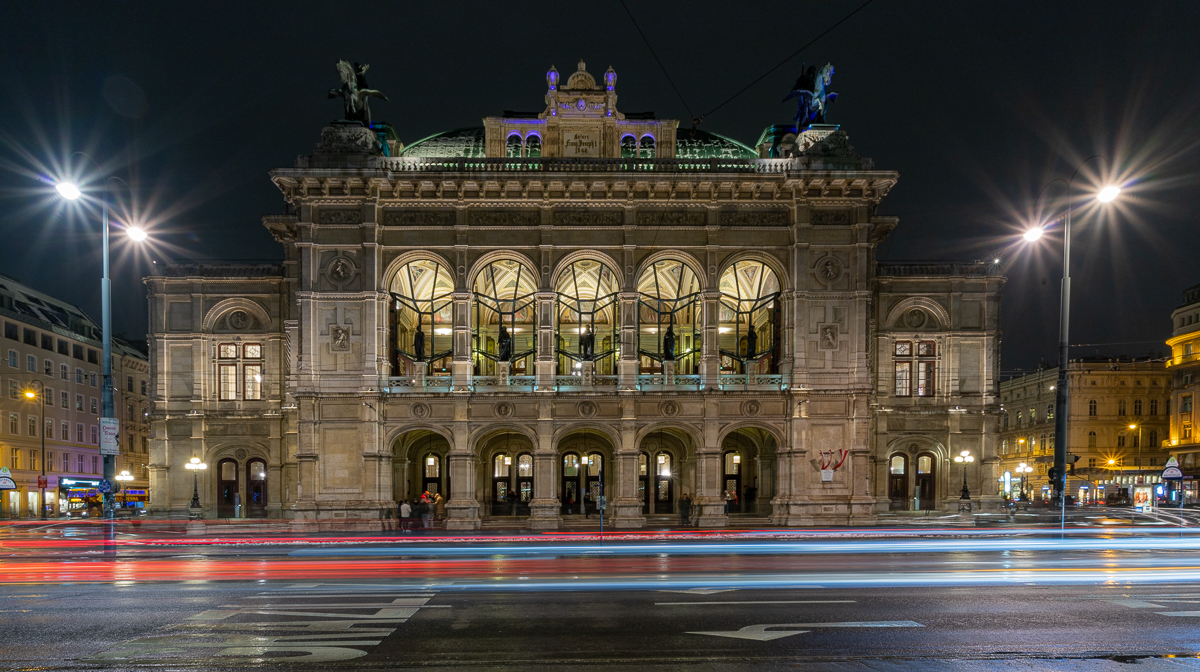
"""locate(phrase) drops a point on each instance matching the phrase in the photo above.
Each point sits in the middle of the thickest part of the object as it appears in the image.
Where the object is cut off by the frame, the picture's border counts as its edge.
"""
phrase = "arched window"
(1020, 418)
(1004, 420)
(669, 316)
(533, 146)
(925, 464)
(423, 315)
(505, 317)
(898, 464)
(512, 146)
(748, 326)
(1044, 445)
(1004, 447)
(501, 465)
(1153, 438)
(1137, 406)
(1154, 407)
(1092, 407)
(628, 147)
(1121, 407)
(1049, 411)
(646, 147)
(587, 317)
(1091, 439)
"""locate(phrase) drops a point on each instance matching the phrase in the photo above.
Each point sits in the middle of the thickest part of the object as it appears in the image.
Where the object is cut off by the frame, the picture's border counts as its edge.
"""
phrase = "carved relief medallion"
(751, 408)
(587, 409)
(240, 453)
(419, 411)
(669, 409)
(340, 270)
(915, 318)
(829, 337)
(503, 410)
(829, 269)
(239, 320)
(339, 339)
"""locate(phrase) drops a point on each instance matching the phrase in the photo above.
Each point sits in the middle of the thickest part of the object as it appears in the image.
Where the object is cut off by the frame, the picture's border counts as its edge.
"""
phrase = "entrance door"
(644, 482)
(898, 482)
(595, 477)
(524, 483)
(926, 492)
(256, 489)
(502, 496)
(732, 488)
(570, 495)
(431, 475)
(664, 484)
(228, 496)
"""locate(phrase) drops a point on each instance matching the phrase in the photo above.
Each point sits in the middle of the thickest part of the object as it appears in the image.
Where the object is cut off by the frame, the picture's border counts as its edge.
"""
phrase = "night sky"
(977, 105)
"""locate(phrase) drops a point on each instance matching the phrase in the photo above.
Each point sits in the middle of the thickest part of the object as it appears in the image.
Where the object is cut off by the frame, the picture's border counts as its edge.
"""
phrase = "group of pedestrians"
(427, 508)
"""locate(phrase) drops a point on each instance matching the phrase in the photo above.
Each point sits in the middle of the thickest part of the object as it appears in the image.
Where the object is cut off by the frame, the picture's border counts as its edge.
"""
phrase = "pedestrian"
(426, 514)
(587, 512)
(685, 509)
(439, 506)
(405, 515)
(727, 497)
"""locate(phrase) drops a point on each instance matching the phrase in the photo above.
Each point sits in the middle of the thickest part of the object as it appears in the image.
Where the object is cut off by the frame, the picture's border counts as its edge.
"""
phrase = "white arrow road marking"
(760, 633)
(759, 602)
(700, 591)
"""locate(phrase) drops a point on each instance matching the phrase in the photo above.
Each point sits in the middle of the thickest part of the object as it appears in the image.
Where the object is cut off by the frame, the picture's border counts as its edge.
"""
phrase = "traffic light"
(1052, 473)
(1071, 460)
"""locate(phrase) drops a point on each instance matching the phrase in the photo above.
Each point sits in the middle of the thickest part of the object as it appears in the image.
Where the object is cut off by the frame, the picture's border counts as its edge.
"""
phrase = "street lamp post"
(195, 466)
(964, 458)
(1138, 427)
(1023, 469)
(123, 477)
(1106, 195)
(40, 396)
(71, 192)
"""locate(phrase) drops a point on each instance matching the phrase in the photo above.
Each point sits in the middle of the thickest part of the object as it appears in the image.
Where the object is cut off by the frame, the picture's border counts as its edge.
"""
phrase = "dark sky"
(976, 104)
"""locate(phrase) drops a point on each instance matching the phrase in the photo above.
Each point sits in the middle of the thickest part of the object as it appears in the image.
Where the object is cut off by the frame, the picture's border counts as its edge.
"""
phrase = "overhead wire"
(660, 63)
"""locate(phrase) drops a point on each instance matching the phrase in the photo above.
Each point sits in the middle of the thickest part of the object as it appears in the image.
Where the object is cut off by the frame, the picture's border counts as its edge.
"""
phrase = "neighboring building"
(514, 314)
(1118, 422)
(54, 343)
(1184, 367)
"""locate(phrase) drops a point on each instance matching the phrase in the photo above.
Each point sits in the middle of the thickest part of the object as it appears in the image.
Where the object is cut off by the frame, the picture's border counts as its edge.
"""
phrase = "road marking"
(700, 591)
(760, 602)
(759, 632)
(1178, 613)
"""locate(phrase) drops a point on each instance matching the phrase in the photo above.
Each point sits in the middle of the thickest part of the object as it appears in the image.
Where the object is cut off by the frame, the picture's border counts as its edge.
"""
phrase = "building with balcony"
(568, 307)
(1184, 369)
(1119, 410)
(52, 351)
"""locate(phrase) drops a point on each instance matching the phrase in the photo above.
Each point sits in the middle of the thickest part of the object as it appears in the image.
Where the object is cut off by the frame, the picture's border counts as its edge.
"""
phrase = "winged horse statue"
(355, 92)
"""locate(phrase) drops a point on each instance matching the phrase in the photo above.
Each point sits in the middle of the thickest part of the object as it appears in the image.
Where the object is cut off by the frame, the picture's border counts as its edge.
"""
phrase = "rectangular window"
(93, 357)
(252, 379)
(66, 461)
(252, 351)
(77, 351)
(50, 460)
(227, 351)
(50, 429)
(1185, 403)
(30, 337)
(14, 423)
(10, 331)
(78, 376)
(80, 463)
(95, 406)
(129, 412)
(903, 379)
(904, 348)
(64, 348)
(16, 459)
(143, 387)
(1185, 429)
(33, 460)
(48, 396)
(65, 431)
(79, 432)
(64, 372)
(31, 363)
(14, 390)
(925, 379)
(1091, 463)
(95, 469)
(48, 342)
(48, 368)
(228, 383)
(926, 349)
(33, 425)
(129, 383)
(79, 402)
(92, 379)
(65, 398)
(1120, 440)
(95, 435)
(12, 358)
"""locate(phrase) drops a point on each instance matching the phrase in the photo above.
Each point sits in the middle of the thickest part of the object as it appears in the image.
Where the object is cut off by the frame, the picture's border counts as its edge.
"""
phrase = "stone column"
(625, 507)
(462, 511)
(462, 366)
(544, 508)
(627, 365)
(708, 506)
(545, 365)
(710, 356)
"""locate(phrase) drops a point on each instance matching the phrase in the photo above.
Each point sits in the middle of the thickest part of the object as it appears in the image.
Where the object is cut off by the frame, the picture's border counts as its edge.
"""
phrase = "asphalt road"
(1018, 601)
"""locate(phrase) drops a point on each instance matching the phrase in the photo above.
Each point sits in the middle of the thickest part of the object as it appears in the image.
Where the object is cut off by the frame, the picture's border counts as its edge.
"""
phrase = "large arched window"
(423, 315)
(646, 147)
(505, 317)
(512, 146)
(533, 146)
(749, 320)
(628, 147)
(587, 317)
(669, 317)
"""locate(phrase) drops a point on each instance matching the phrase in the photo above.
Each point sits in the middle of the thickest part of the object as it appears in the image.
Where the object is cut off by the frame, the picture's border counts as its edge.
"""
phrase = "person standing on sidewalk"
(439, 506)
(426, 513)
(685, 510)
(405, 515)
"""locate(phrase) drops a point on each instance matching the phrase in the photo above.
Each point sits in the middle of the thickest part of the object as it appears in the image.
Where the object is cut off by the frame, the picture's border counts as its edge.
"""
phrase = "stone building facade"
(1119, 412)
(567, 307)
(1184, 369)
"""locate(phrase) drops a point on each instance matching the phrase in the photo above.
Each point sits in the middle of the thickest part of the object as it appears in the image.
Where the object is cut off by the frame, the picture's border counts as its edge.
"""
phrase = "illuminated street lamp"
(35, 396)
(195, 466)
(965, 458)
(123, 477)
(1023, 469)
(71, 192)
(1138, 427)
(1105, 195)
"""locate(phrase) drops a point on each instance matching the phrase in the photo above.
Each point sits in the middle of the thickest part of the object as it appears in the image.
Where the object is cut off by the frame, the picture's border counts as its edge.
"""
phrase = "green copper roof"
(462, 142)
(705, 145)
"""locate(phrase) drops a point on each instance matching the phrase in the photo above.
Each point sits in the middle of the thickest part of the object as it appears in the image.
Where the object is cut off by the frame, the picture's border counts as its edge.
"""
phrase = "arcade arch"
(669, 316)
(587, 316)
(504, 317)
(422, 316)
(749, 322)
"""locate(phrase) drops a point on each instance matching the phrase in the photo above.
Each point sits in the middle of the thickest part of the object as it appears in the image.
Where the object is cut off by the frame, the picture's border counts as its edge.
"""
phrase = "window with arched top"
(925, 464)
(501, 465)
(533, 146)
(898, 464)
(747, 330)
(1137, 406)
(1121, 407)
(628, 147)
(504, 317)
(1092, 407)
(669, 319)
(646, 147)
(1154, 407)
(1004, 420)
(1153, 438)
(588, 323)
(432, 466)
(1049, 411)
(423, 316)
(525, 465)
(1091, 439)
(512, 146)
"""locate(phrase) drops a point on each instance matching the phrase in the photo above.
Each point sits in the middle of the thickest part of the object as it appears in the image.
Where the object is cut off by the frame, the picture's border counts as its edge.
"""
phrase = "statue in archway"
(751, 342)
(504, 345)
(668, 353)
(419, 344)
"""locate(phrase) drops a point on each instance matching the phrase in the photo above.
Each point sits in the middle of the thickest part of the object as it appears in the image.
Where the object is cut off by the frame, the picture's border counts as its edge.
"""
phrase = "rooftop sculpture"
(812, 95)
(355, 92)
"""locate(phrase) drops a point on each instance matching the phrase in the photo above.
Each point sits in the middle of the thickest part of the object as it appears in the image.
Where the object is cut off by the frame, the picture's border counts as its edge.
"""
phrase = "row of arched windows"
(529, 147)
(504, 320)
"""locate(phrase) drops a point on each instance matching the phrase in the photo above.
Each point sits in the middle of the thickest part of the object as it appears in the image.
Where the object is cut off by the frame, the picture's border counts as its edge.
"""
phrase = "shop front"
(80, 498)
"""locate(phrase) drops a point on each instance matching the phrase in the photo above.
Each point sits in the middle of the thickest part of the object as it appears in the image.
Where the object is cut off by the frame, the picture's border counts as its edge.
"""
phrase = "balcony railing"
(1183, 359)
(565, 165)
(600, 383)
